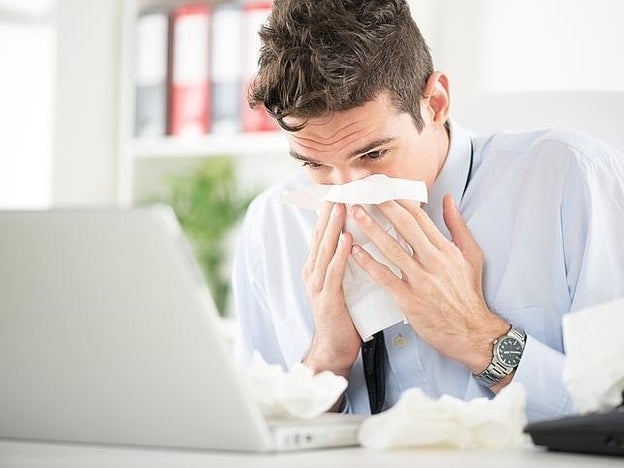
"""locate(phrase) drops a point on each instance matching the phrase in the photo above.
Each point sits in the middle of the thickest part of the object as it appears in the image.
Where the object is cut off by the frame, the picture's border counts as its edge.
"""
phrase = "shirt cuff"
(540, 372)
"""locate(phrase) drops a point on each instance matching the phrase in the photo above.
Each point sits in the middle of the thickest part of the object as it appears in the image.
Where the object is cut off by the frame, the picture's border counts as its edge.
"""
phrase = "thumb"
(461, 235)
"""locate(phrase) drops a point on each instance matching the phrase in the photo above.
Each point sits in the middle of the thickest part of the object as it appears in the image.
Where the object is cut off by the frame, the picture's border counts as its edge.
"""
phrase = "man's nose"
(344, 175)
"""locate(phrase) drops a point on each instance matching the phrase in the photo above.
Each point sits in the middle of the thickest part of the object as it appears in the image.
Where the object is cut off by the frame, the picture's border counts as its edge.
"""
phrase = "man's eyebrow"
(363, 150)
(300, 157)
(371, 146)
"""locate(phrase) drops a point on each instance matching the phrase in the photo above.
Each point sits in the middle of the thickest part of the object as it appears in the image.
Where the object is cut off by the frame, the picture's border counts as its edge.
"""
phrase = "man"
(519, 228)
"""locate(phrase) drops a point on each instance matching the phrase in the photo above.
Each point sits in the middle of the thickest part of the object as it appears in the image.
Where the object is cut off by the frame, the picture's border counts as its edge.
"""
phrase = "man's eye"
(311, 164)
(374, 154)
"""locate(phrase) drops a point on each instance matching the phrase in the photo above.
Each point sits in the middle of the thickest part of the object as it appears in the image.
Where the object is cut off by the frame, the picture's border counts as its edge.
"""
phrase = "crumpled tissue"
(298, 393)
(594, 365)
(371, 308)
(448, 422)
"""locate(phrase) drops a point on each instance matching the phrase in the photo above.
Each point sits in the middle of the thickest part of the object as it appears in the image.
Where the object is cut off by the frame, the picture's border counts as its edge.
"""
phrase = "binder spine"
(151, 73)
(190, 91)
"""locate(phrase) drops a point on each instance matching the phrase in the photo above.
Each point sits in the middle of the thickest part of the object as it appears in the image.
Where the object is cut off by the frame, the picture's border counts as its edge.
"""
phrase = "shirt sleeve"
(592, 222)
(540, 372)
(255, 332)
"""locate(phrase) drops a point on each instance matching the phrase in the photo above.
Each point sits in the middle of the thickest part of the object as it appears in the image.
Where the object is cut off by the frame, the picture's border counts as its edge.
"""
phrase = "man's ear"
(436, 98)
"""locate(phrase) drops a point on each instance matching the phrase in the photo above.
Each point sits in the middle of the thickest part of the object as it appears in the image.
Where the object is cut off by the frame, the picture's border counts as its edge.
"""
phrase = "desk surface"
(17, 454)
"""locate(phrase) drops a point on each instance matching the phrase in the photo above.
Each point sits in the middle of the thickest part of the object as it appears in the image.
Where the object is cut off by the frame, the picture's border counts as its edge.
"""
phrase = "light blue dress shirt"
(546, 207)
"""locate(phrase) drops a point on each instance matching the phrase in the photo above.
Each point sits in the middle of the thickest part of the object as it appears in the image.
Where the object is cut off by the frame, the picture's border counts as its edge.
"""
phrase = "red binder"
(190, 91)
(255, 14)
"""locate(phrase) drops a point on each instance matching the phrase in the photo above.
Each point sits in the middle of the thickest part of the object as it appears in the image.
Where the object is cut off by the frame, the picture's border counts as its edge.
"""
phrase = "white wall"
(484, 45)
(26, 82)
(494, 45)
(86, 112)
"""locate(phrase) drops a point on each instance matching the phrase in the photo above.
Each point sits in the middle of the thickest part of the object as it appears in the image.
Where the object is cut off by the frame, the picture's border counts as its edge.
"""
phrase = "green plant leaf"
(208, 203)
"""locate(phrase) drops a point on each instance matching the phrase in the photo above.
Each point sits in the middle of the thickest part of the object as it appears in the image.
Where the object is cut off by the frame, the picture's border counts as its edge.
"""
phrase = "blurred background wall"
(61, 140)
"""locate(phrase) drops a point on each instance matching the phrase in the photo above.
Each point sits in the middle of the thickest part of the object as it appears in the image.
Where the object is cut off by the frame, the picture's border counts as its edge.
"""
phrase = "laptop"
(108, 334)
(593, 433)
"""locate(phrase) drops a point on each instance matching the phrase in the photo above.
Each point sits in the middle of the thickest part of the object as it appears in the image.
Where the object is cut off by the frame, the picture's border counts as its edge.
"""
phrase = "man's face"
(372, 139)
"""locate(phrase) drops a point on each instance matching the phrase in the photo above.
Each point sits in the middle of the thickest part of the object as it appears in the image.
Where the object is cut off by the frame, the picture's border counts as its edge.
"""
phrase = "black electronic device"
(595, 433)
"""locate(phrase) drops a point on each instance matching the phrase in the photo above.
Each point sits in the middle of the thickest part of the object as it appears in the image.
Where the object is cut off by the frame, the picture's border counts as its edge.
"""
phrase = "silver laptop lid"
(108, 334)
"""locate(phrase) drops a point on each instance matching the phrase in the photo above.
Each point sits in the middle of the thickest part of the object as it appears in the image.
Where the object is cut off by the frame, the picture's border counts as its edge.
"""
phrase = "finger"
(388, 245)
(413, 225)
(460, 233)
(338, 264)
(329, 240)
(426, 224)
(319, 229)
(378, 272)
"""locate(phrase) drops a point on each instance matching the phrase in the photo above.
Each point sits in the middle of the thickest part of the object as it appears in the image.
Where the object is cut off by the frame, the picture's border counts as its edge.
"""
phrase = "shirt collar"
(453, 176)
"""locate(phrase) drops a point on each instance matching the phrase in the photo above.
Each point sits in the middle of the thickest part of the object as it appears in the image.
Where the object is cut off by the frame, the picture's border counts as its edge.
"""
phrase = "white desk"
(17, 454)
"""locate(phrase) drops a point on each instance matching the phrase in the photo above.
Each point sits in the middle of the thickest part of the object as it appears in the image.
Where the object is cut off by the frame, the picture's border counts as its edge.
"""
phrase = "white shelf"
(145, 163)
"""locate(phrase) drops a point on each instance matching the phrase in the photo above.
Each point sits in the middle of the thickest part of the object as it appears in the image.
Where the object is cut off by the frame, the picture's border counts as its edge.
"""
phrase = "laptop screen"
(108, 333)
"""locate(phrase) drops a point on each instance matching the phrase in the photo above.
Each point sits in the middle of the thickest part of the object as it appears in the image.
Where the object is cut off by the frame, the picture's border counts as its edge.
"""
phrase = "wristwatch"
(506, 354)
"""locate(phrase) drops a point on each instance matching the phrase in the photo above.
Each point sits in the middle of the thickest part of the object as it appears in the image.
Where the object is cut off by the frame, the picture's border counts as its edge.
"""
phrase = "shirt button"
(400, 341)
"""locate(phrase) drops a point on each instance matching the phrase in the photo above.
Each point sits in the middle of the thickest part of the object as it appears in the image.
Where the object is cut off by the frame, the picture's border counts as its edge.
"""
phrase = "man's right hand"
(336, 343)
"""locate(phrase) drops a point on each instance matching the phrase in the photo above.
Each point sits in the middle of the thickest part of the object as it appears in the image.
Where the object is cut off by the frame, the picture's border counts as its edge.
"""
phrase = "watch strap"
(496, 370)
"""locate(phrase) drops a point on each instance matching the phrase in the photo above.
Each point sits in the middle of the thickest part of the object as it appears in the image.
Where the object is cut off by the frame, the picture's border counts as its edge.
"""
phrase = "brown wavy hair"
(324, 56)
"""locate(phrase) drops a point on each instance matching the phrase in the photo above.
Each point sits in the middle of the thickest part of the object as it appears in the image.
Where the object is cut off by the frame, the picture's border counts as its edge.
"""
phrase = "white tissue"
(298, 393)
(594, 365)
(371, 308)
(419, 421)
(372, 190)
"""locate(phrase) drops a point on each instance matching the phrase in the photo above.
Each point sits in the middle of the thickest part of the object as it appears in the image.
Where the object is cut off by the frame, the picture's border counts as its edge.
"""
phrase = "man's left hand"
(440, 289)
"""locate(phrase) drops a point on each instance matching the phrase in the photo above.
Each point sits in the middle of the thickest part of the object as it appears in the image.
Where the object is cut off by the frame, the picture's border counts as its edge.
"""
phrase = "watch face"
(509, 351)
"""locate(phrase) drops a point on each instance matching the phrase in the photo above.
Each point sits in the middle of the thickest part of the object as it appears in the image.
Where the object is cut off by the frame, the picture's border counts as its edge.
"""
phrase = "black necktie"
(374, 363)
